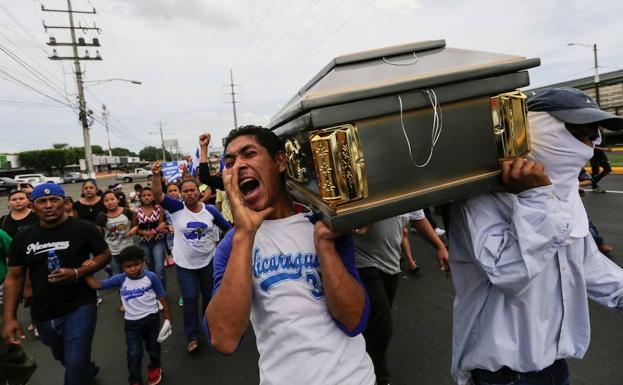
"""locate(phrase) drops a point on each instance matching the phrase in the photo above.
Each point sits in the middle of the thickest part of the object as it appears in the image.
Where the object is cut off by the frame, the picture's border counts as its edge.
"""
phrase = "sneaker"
(599, 190)
(154, 375)
(192, 346)
(440, 231)
(181, 301)
(605, 248)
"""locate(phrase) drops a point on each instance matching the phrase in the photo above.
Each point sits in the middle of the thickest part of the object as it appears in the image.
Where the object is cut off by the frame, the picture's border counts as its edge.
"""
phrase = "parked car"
(72, 177)
(6, 185)
(36, 179)
(139, 173)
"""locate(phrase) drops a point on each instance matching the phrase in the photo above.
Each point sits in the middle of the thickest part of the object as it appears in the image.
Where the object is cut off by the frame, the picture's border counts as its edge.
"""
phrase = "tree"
(60, 146)
(45, 159)
(151, 153)
(120, 151)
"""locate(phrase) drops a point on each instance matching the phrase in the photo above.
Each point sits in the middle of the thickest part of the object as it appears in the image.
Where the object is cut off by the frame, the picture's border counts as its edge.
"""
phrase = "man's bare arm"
(345, 296)
(229, 310)
(12, 332)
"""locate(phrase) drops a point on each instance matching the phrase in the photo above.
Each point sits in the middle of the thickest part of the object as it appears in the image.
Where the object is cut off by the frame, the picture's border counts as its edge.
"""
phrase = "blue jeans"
(136, 332)
(154, 254)
(599, 240)
(192, 283)
(69, 338)
(113, 267)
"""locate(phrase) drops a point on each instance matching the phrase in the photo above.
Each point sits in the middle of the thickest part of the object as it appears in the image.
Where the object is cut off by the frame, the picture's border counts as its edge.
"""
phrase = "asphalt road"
(420, 351)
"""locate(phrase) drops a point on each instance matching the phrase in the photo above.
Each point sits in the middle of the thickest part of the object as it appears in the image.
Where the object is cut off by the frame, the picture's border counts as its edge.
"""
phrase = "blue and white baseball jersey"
(194, 234)
(138, 295)
(298, 340)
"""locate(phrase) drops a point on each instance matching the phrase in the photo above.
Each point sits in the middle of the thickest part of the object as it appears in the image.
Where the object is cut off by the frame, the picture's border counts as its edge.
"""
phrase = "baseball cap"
(573, 106)
(46, 189)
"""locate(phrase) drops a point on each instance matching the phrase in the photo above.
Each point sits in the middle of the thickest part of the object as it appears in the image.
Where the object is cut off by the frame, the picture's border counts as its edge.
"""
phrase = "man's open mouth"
(248, 187)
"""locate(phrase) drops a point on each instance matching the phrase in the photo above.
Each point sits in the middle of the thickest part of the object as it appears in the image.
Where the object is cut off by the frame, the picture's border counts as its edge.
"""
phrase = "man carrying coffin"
(523, 261)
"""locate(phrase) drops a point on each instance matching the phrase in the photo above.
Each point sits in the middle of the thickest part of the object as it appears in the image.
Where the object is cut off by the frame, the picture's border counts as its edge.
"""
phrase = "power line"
(258, 48)
(255, 34)
(335, 31)
(24, 84)
(261, 64)
(31, 70)
(323, 20)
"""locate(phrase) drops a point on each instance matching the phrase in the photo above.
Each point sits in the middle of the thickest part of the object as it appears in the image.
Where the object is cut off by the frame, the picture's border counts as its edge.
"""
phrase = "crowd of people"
(523, 262)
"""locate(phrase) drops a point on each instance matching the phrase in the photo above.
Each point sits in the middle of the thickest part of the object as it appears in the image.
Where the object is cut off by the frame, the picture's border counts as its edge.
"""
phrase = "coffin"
(383, 132)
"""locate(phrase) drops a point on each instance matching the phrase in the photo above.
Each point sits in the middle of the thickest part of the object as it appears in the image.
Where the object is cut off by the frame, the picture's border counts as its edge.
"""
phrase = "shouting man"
(286, 272)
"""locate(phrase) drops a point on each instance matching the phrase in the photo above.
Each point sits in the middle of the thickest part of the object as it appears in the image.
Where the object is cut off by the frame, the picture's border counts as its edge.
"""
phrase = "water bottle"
(53, 262)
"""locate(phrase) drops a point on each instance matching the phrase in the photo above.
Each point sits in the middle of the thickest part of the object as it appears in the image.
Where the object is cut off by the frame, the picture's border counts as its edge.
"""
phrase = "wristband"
(76, 278)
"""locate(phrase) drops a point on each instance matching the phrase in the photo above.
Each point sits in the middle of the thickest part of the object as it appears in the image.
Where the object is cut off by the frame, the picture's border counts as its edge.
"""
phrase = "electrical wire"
(32, 70)
(14, 80)
(271, 28)
(254, 35)
(259, 65)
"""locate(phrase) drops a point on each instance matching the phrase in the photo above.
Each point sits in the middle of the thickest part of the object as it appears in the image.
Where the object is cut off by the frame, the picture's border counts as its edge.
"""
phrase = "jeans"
(154, 254)
(599, 240)
(192, 283)
(557, 374)
(598, 160)
(113, 268)
(70, 337)
(381, 288)
(136, 332)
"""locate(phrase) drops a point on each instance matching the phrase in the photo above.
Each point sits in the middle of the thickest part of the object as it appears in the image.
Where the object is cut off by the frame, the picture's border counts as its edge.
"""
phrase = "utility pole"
(596, 74)
(233, 96)
(83, 114)
(105, 117)
(164, 153)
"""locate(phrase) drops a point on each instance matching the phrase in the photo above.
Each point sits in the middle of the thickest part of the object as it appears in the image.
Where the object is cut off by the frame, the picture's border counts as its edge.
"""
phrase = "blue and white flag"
(193, 167)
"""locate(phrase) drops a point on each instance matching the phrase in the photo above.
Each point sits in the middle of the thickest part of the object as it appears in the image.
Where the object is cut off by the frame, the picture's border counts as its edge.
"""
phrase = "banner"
(171, 171)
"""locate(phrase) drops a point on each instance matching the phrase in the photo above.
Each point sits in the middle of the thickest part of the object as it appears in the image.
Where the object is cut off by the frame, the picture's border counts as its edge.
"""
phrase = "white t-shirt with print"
(194, 234)
(298, 340)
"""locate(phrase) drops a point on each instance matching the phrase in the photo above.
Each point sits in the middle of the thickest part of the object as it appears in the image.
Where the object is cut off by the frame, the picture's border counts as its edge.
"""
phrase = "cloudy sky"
(182, 52)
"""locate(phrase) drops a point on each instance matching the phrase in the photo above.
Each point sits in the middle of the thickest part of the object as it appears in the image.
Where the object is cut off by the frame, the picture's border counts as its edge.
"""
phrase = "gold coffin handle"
(338, 159)
(510, 124)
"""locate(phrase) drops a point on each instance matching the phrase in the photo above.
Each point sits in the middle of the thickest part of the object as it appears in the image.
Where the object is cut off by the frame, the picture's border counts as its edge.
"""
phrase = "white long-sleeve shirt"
(522, 283)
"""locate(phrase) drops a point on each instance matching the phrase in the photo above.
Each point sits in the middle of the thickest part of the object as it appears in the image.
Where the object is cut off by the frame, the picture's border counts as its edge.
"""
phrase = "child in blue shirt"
(140, 292)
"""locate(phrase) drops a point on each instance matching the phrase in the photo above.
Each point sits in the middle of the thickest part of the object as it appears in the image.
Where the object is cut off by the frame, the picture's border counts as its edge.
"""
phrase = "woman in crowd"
(90, 204)
(152, 229)
(69, 207)
(116, 225)
(20, 216)
(196, 231)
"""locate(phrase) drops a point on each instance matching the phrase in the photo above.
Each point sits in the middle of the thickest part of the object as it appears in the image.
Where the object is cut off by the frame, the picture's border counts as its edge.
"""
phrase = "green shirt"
(5, 246)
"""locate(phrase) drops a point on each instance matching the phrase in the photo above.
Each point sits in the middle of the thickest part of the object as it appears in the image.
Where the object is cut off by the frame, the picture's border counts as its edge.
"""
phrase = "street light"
(594, 47)
(96, 82)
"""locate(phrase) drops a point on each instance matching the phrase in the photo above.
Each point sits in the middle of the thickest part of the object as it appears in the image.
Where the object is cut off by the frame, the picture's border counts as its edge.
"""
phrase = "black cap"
(573, 106)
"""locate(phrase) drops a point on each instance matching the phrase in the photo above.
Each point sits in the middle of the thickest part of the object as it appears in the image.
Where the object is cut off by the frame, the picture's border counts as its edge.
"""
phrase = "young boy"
(140, 293)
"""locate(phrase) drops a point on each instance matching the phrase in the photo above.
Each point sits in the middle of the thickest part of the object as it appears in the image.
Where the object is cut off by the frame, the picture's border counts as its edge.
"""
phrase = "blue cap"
(46, 189)
(573, 106)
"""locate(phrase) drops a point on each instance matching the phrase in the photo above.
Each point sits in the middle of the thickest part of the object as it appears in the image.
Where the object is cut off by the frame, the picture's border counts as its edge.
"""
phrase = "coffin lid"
(395, 69)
